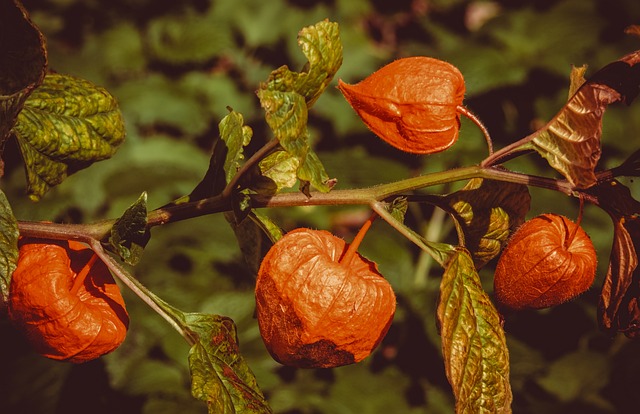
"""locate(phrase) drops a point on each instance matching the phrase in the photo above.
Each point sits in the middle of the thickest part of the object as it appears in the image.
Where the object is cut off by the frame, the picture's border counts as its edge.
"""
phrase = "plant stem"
(255, 158)
(172, 315)
(60, 231)
(507, 152)
(355, 244)
(362, 196)
(569, 240)
(438, 251)
(473, 118)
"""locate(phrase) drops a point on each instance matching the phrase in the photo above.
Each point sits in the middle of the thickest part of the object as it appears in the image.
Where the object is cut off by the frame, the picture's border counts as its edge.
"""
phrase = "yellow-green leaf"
(287, 95)
(286, 114)
(66, 124)
(236, 136)
(278, 170)
(321, 45)
(473, 342)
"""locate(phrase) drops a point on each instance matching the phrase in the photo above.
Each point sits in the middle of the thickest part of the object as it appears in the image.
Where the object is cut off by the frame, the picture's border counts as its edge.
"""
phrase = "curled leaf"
(411, 103)
(487, 212)
(129, 234)
(278, 171)
(619, 307)
(66, 124)
(473, 342)
(236, 136)
(321, 45)
(286, 97)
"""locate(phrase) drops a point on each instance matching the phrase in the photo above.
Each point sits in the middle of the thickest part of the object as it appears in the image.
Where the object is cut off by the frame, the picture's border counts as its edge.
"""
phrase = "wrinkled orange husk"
(316, 312)
(411, 103)
(536, 271)
(59, 325)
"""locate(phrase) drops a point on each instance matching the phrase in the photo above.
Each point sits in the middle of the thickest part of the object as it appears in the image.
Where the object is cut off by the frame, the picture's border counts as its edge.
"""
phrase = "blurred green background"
(176, 65)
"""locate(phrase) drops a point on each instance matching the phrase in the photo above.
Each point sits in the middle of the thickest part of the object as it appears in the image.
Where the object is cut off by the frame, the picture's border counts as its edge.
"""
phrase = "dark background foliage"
(176, 66)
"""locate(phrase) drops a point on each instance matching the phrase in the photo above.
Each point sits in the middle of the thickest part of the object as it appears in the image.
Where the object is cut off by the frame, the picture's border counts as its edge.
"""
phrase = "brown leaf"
(570, 142)
(24, 63)
(618, 310)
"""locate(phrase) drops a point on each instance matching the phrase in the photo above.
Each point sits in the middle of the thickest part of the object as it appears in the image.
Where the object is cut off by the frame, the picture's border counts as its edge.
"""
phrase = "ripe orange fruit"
(66, 301)
(547, 261)
(411, 103)
(315, 310)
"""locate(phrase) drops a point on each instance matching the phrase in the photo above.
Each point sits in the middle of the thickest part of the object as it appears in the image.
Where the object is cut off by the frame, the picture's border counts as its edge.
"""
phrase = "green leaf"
(236, 136)
(226, 157)
(24, 64)
(66, 124)
(8, 247)
(286, 114)
(312, 172)
(486, 212)
(473, 341)
(220, 375)
(129, 234)
(321, 45)
(278, 171)
(398, 208)
(286, 97)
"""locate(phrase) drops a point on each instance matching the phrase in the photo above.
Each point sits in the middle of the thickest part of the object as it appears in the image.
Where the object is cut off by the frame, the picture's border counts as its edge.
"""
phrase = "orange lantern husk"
(411, 103)
(548, 261)
(315, 311)
(63, 322)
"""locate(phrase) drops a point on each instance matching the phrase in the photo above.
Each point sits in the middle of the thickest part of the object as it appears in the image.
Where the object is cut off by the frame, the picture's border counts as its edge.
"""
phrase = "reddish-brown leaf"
(618, 309)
